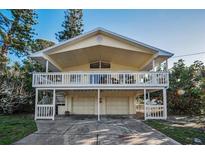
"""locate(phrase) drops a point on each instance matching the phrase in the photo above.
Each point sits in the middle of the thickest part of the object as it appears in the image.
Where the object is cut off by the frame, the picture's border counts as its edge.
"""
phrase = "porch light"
(180, 92)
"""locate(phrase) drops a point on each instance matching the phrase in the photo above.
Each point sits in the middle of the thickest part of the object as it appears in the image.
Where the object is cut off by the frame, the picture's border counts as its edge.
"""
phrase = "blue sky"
(178, 31)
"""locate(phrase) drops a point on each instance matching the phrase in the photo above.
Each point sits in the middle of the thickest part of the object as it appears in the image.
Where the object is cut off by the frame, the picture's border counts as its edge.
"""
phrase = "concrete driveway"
(110, 130)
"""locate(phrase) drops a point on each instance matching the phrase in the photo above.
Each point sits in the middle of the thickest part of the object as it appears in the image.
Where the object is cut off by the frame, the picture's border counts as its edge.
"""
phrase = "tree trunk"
(3, 56)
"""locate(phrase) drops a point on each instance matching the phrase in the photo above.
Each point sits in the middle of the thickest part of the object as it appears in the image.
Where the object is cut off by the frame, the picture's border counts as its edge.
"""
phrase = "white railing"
(154, 112)
(74, 79)
(44, 111)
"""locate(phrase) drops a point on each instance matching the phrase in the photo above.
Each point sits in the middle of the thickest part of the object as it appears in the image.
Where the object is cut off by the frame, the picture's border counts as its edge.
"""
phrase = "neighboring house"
(101, 73)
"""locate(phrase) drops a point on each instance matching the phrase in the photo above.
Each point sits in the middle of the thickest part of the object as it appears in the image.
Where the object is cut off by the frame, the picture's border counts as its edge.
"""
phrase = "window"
(105, 65)
(95, 65)
(100, 64)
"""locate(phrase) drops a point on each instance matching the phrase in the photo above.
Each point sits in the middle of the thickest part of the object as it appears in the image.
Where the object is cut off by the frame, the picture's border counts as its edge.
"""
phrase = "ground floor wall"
(100, 102)
(111, 102)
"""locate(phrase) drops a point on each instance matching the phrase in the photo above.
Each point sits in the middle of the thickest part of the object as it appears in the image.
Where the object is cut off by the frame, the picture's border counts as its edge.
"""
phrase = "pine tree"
(72, 26)
(40, 44)
(16, 33)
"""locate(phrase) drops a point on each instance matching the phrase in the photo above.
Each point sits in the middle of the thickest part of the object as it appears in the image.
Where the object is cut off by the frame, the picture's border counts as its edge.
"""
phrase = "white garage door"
(117, 105)
(84, 105)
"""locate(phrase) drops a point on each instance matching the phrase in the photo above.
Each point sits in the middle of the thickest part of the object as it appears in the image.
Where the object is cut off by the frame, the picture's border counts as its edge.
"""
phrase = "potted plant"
(67, 113)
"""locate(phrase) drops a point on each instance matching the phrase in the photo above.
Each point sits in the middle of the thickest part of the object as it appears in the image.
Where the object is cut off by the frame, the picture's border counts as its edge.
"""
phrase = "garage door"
(117, 105)
(84, 105)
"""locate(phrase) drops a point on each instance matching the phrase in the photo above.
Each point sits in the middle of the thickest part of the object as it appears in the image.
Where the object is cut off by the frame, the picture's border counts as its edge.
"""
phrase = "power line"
(192, 54)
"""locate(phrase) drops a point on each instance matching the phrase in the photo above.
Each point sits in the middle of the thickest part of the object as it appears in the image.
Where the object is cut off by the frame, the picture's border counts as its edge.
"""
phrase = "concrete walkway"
(78, 130)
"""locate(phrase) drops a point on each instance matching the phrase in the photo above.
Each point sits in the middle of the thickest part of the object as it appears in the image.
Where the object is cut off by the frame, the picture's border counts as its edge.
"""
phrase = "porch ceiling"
(115, 55)
(104, 45)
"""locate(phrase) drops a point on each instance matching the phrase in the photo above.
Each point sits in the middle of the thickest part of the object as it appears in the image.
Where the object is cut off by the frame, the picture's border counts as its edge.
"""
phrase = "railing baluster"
(101, 78)
(154, 111)
(45, 111)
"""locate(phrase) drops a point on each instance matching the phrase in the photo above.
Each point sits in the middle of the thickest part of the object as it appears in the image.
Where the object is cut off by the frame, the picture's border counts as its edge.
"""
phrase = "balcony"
(101, 80)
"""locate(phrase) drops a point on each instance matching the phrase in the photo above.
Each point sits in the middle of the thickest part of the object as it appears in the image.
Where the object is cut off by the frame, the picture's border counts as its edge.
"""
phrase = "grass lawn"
(15, 127)
(180, 133)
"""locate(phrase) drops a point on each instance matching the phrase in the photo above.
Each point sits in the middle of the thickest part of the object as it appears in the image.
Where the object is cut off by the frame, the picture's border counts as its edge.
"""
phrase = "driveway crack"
(69, 128)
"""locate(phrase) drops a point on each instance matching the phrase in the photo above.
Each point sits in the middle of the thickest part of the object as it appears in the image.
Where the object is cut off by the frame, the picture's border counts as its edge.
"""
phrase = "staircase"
(60, 100)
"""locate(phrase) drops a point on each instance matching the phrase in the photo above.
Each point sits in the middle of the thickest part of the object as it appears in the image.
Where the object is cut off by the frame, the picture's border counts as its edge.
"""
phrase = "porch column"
(145, 104)
(153, 65)
(166, 67)
(148, 95)
(46, 71)
(46, 66)
(98, 104)
(54, 103)
(36, 102)
(165, 102)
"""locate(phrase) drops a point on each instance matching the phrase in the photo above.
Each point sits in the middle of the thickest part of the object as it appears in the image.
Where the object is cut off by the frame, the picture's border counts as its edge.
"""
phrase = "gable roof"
(158, 51)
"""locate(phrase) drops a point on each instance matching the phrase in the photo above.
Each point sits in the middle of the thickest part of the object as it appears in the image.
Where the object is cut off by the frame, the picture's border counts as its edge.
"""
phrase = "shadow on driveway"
(87, 130)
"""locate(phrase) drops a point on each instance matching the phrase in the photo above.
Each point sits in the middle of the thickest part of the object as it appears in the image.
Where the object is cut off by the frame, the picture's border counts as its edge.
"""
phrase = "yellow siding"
(86, 67)
(104, 40)
(77, 68)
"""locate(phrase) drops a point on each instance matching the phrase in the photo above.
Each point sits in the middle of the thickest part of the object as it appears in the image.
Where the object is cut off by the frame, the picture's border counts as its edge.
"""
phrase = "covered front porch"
(99, 102)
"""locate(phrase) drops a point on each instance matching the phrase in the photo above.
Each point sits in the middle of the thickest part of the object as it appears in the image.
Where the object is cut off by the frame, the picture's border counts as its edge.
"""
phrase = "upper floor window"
(100, 64)
(95, 65)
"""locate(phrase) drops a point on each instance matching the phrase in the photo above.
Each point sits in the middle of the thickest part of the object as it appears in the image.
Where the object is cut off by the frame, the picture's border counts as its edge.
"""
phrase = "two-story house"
(100, 73)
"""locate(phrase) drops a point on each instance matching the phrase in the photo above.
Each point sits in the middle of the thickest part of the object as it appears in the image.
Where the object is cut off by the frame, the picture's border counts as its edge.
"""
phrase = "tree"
(16, 32)
(16, 92)
(72, 26)
(40, 44)
(12, 89)
(185, 95)
(16, 36)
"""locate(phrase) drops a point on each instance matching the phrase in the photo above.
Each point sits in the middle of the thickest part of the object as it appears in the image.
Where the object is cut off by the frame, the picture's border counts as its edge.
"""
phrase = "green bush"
(186, 92)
